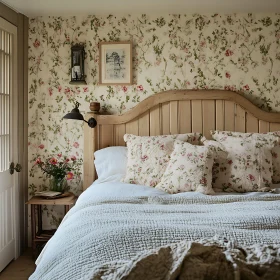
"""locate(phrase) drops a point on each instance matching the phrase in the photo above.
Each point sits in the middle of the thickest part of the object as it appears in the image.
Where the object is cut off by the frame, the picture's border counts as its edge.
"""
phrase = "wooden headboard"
(172, 112)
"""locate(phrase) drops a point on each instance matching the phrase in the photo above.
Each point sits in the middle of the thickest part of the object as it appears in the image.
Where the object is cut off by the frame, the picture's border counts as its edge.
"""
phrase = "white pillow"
(110, 161)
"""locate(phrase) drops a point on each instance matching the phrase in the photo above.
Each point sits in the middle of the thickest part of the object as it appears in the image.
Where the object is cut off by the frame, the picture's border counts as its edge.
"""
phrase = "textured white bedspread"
(116, 221)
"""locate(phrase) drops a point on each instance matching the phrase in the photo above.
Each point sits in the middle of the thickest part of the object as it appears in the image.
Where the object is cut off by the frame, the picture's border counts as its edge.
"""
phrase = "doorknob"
(14, 168)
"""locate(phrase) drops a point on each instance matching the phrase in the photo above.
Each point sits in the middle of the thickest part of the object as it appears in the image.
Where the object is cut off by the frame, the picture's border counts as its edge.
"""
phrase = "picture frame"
(115, 63)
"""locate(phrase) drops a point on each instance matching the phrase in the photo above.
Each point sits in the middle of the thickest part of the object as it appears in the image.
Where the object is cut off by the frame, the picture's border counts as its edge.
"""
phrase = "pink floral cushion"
(275, 151)
(248, 165)
(189, 169)
(148, 156)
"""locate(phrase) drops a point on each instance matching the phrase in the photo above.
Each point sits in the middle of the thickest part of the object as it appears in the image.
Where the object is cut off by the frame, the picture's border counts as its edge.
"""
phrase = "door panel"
(8, 143)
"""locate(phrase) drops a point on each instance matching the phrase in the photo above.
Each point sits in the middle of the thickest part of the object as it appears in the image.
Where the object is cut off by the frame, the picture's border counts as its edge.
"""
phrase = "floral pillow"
(189, 169)
(248, 165)
(148, 156)
(275, 151)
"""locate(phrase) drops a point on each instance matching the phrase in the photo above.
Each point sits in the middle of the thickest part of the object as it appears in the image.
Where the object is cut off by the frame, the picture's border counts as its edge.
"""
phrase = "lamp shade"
(74, 115)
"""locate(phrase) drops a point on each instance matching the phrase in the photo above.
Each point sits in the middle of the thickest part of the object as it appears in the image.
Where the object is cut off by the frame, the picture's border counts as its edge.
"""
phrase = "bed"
(128, 231)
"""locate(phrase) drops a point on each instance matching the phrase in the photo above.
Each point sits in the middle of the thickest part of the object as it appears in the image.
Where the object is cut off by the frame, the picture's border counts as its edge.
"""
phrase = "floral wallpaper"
(239, 52)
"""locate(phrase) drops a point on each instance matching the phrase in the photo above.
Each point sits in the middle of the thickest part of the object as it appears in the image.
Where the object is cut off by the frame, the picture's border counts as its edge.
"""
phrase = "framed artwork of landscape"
(115, 63)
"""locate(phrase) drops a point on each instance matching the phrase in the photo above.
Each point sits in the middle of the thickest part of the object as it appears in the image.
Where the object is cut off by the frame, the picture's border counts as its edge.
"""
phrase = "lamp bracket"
(91, 122)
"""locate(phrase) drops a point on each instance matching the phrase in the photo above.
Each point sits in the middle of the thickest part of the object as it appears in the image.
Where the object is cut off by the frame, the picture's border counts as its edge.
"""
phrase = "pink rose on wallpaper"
(85, 89)
(76, 144)
(124, 88)
(246, 87)
(50, 91)
(36, 43)
(140, 88)
(203, 44)
(38, 161)
(39, 60)
(73, 158)
(59, 155)
(228, 75)
(228, 52)
(158, 61)
(41, 146)
(78, 90)
(67, 90)
(59, 88)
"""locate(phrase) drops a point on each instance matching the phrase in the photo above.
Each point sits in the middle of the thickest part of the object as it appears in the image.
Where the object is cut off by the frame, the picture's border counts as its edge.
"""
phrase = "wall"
(240, 52)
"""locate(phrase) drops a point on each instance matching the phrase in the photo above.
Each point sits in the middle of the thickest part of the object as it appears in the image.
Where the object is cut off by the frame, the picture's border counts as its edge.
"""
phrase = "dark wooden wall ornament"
(78, 64)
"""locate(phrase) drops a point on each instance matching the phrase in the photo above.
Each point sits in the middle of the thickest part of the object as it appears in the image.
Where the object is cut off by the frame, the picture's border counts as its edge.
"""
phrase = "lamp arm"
(91, 122)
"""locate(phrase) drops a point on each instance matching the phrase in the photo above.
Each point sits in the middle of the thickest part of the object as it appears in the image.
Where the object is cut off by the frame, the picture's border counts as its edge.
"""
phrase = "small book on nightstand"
(48, 193)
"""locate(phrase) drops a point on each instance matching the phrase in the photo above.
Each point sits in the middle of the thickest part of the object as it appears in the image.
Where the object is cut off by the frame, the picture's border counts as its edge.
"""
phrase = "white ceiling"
(99, 7)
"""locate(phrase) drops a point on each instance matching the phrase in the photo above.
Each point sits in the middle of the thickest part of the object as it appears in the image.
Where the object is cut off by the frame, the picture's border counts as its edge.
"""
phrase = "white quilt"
(116, 221)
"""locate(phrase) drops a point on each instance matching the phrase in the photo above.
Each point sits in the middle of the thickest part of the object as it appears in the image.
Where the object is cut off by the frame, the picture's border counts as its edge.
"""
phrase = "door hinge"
(14, 168)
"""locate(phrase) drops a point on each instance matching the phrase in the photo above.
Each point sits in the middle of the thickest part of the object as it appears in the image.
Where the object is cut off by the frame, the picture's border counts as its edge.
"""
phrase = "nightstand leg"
(33, 228)
(39, 213)
(66, 208)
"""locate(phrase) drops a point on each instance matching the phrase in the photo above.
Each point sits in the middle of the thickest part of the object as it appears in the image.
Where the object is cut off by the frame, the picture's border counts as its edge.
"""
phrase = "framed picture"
(115, 63)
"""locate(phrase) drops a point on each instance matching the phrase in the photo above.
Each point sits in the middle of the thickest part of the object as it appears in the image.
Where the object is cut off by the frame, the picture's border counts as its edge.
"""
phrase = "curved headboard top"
(180, 95)
(173, 112)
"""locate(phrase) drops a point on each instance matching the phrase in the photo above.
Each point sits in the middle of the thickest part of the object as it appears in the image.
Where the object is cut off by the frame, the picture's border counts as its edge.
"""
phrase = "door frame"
(21, 22)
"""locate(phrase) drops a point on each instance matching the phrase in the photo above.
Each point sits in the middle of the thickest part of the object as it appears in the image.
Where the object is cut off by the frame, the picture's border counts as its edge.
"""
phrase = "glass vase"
(58, 184)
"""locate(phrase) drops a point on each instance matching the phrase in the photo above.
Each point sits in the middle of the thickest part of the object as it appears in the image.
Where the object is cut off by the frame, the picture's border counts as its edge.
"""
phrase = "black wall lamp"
(76, 115)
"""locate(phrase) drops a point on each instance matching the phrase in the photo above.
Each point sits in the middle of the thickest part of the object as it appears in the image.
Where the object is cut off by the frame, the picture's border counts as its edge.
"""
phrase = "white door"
(8, 144)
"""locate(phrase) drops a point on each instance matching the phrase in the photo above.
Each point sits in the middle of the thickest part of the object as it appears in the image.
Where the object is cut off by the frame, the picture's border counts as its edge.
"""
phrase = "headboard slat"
(263, 126)
(229, 116)
(252, 123)
(239, 119)
(208, 115)
(174, 126)
(197, 123)
(165, 117)
(184, 117)
(155, 120)
(220, 114)
(144, 124)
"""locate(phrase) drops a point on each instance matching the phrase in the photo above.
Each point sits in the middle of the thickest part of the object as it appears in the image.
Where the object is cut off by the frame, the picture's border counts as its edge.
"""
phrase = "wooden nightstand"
(38, 234)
